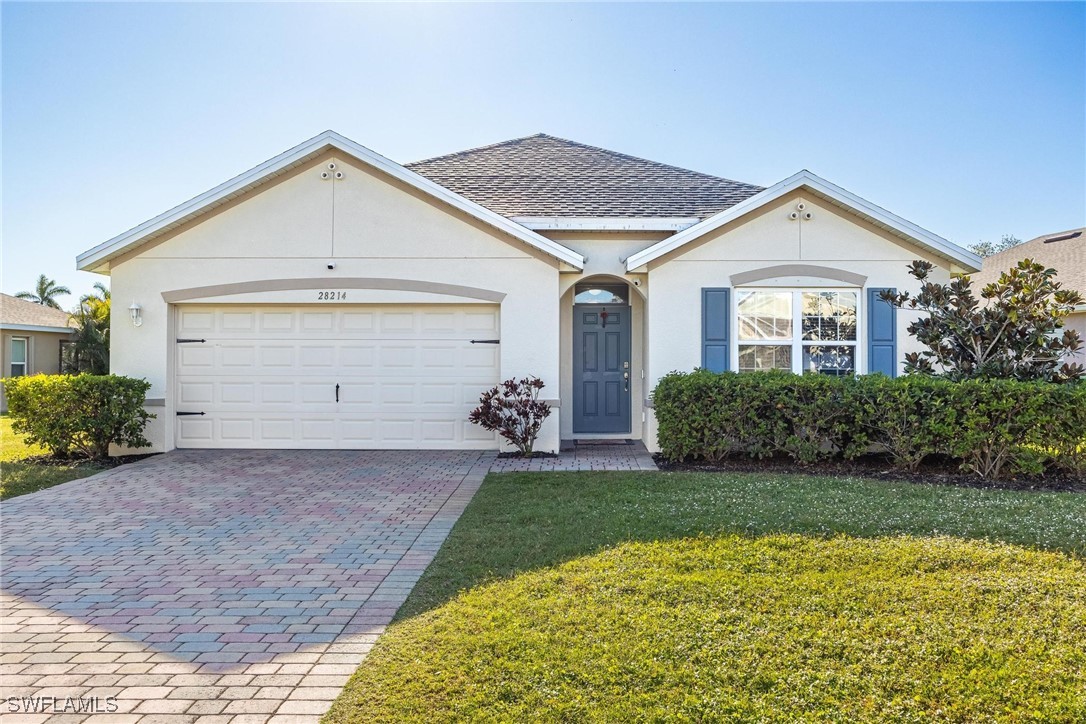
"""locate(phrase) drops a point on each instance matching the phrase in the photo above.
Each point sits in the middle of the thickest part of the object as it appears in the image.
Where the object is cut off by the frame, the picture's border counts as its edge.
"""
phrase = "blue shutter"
(881, 334)
(715, 314)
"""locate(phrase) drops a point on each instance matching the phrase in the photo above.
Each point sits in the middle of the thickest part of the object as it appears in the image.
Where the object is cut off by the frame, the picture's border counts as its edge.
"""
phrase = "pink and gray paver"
(216, 586)
(583, 455)
(226, 586)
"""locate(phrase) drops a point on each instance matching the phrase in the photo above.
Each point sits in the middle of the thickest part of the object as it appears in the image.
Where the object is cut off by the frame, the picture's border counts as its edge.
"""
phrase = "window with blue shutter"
(881, 334)
(715, 315)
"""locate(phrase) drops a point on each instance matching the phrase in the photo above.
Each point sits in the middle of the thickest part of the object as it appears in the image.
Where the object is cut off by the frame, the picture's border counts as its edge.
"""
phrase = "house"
(32, 340)
(1064, 251)
(332, 298)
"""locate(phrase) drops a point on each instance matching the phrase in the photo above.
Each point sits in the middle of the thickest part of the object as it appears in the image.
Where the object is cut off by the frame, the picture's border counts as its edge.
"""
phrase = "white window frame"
(797, 340)
(11, 356)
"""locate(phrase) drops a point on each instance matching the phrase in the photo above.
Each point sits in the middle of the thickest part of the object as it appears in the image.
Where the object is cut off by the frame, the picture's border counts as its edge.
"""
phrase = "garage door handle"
(182, 414)
(486, 341)
(337, 392)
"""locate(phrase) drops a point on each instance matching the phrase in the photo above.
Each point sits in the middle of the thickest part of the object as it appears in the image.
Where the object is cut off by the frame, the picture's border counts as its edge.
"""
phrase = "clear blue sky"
(967, 119)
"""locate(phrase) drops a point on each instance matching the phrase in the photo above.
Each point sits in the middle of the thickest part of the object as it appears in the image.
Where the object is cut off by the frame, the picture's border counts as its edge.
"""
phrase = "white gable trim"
(828, 191)
(95, 258)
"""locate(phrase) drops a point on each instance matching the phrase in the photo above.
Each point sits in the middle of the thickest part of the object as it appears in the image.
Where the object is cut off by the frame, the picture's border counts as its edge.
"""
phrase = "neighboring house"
(1064, 251)
(332, 298)
(33, 337)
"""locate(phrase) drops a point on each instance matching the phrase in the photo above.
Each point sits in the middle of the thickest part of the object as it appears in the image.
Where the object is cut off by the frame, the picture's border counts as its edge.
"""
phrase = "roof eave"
(606, 223)
(97, 258)
(13, 327)
(828, 191)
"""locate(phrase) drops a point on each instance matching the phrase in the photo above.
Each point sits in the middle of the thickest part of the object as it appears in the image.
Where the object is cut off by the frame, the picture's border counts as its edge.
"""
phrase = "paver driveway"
(218, 586)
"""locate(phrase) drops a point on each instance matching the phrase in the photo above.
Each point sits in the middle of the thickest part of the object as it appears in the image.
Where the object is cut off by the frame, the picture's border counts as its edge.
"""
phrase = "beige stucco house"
(332, 298)
(1064, 251)
(32, 337)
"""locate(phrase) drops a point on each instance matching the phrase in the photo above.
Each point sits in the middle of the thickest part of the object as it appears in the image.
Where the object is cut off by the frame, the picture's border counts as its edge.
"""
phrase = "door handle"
(337, 392)
(626, 380)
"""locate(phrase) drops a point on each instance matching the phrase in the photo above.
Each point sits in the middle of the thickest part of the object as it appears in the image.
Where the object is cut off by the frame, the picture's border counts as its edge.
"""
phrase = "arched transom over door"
(393, 376)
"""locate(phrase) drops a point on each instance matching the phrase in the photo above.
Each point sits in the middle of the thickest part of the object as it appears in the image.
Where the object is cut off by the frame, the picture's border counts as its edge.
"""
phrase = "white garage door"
(269, 376)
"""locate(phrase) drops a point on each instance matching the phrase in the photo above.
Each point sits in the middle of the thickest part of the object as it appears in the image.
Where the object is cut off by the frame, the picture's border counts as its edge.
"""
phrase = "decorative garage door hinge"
(180, 414)
(486, 341)
(190, 341)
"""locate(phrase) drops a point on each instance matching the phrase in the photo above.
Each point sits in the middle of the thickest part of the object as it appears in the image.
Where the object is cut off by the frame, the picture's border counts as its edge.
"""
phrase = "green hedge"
(69, 414)
(993, 427)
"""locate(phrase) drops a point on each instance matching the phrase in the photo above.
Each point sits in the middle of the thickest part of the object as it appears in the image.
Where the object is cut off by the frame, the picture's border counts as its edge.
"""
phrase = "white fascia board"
(823, 188)
(34, 328)
(605, 223)
(89, 260)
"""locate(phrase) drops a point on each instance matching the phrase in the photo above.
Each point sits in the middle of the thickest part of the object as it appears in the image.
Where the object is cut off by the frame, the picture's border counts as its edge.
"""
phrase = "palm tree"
(45, 292)
(92, 331)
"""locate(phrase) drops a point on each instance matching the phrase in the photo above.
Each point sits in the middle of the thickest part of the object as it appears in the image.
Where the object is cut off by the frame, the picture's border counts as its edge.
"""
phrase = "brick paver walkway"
(217, 586)
(594, 455)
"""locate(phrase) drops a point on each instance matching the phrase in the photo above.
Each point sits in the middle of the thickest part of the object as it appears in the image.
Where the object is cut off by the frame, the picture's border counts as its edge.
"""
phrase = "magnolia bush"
(1011, 331)
(513, 410)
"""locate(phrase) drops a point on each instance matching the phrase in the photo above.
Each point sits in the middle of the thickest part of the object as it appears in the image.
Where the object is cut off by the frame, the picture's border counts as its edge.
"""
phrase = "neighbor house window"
(19, 347)
(797, 330)
(68, 363)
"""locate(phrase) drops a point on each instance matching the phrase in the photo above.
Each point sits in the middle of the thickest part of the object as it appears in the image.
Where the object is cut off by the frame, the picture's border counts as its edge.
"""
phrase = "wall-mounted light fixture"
(136, 312)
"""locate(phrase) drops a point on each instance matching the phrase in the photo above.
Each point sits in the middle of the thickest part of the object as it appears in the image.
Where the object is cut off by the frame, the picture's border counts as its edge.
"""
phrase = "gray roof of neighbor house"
(1064, 251)
(15, 311)
(545, 176)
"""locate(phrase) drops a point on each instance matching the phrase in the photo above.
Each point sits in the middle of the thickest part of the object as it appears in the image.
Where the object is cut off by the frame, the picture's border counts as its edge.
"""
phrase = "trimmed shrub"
(82, 414)
(1006, 425)
(709, 415)
(908, 418)
(991, 426)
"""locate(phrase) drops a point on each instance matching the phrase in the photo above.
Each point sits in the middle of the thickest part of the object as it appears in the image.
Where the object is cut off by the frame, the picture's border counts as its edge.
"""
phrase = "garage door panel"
(238, 321)
(266, 376)
(272, 429)
(237, 429)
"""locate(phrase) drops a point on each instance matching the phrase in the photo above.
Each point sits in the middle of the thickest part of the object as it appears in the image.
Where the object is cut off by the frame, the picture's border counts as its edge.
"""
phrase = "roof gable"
(545, 176)
(827, 191)
(21, 313)
(96, 259)
(1064, 251)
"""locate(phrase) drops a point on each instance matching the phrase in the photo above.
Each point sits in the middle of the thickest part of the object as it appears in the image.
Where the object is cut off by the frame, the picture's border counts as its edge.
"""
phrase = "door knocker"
(603, 316)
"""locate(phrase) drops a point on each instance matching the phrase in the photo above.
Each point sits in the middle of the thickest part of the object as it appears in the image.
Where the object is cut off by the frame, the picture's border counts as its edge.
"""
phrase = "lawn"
(25, 468)
(740, 597)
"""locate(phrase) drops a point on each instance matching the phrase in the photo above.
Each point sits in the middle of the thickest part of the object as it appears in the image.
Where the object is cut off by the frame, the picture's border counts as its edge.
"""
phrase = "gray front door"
(601, 368)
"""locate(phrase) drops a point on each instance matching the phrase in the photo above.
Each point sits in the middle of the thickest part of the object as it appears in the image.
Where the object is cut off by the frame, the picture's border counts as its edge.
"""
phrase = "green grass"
(680, 596)
(26, 469)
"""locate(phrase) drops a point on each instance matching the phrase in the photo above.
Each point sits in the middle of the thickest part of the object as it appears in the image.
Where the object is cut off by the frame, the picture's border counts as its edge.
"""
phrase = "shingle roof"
(1064, 251)
(544, 176)
(19, 311)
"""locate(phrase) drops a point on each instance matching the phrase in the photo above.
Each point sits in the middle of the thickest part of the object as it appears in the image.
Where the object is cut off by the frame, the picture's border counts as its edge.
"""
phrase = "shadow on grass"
(519, 522)
(32, 474)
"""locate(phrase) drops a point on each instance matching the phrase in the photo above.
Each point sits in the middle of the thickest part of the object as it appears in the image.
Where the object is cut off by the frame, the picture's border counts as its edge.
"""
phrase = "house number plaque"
(331, 296)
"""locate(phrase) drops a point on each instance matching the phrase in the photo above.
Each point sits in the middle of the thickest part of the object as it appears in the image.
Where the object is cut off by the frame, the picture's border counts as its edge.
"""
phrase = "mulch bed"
(878, 467)
(533, 456)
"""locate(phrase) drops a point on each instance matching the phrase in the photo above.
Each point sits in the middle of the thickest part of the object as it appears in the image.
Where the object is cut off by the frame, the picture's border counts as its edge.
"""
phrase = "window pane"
(18, 351)
(754, 357)
(829, 316)
(829, 359)
(599, 294)
(765, 315)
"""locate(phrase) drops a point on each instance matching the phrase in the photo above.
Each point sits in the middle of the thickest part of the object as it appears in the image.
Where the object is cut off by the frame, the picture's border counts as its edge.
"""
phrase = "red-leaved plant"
(513, 410)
